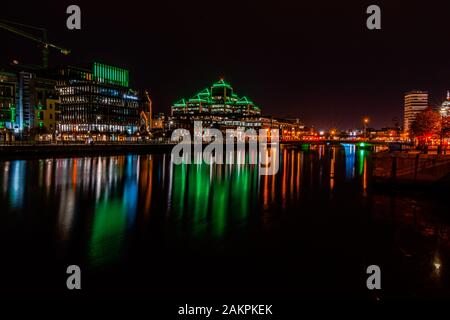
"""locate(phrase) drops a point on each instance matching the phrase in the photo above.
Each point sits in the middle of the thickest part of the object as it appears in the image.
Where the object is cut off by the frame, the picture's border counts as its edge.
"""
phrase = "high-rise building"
(415, 102)
(445, 107)
(97, 100)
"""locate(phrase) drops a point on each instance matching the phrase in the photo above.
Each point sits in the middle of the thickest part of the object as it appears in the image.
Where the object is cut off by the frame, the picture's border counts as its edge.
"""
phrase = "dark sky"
(314, 60)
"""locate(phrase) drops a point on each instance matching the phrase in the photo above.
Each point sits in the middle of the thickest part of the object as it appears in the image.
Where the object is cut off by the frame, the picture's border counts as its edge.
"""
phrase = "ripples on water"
(115, 210)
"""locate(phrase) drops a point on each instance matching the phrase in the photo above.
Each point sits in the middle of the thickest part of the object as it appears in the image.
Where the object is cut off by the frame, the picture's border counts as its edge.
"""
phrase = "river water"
(139, 226)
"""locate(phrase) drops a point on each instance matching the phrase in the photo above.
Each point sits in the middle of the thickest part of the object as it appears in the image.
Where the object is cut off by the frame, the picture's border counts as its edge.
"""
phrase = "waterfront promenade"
(18, 149)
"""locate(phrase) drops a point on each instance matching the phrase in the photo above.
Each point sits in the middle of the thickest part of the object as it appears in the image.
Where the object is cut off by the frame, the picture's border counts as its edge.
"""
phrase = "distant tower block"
(445, 107)
(415, 102)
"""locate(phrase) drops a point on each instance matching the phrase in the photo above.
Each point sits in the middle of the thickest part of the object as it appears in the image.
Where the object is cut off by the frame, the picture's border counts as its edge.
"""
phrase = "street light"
(366, 122)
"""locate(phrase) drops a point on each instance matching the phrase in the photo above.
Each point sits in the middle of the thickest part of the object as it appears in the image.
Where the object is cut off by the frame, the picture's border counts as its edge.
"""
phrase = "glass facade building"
(96, 100)
(219, 99)
(216, 106)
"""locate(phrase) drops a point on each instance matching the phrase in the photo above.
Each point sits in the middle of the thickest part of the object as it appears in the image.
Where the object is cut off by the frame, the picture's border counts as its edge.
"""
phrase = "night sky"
(315, 60)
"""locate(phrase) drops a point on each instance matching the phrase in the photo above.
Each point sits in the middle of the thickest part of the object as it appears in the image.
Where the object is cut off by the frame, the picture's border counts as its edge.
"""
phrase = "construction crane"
(146, 115)
(43, 41)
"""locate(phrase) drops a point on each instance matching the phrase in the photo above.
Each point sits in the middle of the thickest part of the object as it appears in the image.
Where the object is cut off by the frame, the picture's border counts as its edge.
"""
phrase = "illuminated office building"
(97, 100)
(46, 113)
(219, 99)
(42, 104)
(415, 102)
(22, 95)
(8, 100)
(445, 107)
(217, 106)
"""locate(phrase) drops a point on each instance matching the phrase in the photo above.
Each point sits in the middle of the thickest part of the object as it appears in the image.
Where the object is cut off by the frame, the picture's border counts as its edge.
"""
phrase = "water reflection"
(17, 184)
(99, 205)
(206, 198)
(350, 150)
(200, 198)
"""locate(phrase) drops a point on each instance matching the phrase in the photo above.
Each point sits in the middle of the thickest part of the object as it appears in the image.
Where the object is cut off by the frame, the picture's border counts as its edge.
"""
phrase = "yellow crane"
(146, 115)
(8, 25)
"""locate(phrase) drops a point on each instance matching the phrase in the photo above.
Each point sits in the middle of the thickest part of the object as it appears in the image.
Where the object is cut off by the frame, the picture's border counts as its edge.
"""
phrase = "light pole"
(97, 119)
(366, 122)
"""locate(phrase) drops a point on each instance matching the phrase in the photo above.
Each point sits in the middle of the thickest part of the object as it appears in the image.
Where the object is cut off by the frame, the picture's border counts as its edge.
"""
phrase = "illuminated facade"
(8, 100)
(96, 100)
(445, 107)
(22, 95)
(217, 106)
(415, 102)
(220, 99)
(44, 101)
(45, 114)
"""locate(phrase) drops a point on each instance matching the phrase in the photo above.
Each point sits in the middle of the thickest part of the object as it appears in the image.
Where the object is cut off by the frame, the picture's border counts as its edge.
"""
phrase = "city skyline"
(306, 60)
(184, 153)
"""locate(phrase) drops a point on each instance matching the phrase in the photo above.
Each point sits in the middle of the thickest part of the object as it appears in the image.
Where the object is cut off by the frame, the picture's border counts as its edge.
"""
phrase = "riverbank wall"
(63, 150)
(411, 168)
(43, 150)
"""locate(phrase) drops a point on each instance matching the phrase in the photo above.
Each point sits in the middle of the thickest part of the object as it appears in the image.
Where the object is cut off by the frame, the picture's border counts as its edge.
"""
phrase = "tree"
(426, 124)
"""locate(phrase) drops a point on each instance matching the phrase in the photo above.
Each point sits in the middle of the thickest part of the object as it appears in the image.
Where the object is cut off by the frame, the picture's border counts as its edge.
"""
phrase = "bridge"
(363, 144)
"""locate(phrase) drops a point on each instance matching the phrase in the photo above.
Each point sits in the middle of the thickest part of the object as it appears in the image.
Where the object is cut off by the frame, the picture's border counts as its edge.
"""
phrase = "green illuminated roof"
(180, 103)
(221, 83)
(204, 92)
(244, 100)
(202, 96)
(205, 97)
(198, 99)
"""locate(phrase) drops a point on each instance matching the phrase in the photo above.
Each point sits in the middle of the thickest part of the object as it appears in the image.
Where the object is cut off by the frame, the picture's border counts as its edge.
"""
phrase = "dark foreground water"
(139, 226)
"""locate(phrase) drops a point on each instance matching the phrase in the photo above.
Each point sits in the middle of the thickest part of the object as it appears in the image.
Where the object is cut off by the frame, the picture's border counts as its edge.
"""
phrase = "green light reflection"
(107, 231)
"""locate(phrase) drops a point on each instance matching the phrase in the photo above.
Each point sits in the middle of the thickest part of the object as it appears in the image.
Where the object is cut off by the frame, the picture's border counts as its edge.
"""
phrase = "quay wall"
(62, 150)
(410, 167)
